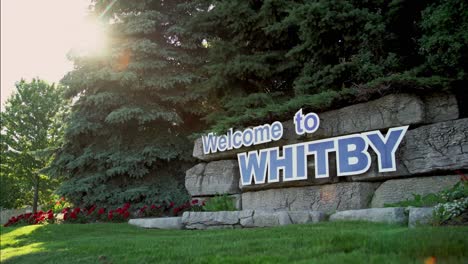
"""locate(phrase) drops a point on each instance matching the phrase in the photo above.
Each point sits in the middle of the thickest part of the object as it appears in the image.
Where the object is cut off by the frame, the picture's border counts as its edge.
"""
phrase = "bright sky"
(35, 38)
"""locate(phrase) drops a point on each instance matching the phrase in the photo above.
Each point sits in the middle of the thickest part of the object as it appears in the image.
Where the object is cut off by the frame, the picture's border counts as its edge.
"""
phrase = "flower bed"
(39, 217)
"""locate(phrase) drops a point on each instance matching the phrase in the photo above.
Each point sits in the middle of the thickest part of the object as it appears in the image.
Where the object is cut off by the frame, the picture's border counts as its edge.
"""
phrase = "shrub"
(57, 204)
(220, 203)
(446, 211)
(39, 217)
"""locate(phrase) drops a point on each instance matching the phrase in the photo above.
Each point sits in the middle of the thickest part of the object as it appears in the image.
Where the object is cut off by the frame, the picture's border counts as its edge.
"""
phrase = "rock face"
(217, 177)
(327, 198)
(397, 190)
(394, 215)
(388, 111)
(420, 216)
(159, 223)
(440, 107)
(428, 149)
(441, 146)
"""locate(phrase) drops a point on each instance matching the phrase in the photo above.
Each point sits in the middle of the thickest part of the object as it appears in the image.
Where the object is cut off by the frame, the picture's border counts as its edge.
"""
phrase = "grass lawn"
(350, 242)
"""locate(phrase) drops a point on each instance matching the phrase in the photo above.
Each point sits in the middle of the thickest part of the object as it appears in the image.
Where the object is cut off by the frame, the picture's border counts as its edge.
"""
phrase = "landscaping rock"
(217, 177)
(303, 217)
(326, 198)
(210, 220)
(441, 146)
(270, 218)
(420, 216)
(440, 107)
(395, 215)
(397, 190)
(159, 223)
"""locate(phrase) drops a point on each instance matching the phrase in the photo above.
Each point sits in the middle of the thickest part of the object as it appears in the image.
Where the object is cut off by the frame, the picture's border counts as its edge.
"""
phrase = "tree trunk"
(36, 193)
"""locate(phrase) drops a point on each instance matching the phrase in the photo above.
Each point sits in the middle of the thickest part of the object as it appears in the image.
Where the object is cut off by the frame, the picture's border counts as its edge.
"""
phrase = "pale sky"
(35, 38)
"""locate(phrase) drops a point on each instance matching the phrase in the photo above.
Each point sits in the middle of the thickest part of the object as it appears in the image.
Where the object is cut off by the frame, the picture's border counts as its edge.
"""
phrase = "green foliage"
(444, 42)
(32, 128)
(265, 59)
(219, 203)
(56, 204)
(444, 212)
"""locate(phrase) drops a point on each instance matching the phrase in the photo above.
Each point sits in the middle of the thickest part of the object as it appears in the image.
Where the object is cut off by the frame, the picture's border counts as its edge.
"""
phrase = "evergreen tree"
(266, 59)
(127, 138)
(32, 128)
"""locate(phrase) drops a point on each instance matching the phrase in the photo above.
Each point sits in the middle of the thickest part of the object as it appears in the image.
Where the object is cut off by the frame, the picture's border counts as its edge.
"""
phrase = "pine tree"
(129, 127)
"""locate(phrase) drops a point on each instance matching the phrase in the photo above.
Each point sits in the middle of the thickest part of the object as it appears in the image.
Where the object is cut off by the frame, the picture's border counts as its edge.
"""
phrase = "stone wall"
(434, 147)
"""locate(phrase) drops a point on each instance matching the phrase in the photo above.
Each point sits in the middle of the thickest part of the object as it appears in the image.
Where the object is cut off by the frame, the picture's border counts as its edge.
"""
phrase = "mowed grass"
(346, 242)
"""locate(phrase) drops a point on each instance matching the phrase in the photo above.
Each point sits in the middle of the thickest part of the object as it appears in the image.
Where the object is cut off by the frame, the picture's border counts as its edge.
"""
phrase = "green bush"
(220, 203)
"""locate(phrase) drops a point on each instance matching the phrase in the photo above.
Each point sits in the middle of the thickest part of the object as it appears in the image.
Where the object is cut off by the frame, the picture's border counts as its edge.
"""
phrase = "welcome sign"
(265, 165)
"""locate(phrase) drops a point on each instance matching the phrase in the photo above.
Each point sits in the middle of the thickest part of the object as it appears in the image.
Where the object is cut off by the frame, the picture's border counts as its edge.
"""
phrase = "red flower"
(65, 210)
(126, 214)
(153, 207)
(101, 211)
(65, 216)
(110, 215)
(91, 210)
(73, 215)
(126, 206)
(76, 210)
(171, 204)
(50, 216)
(176, 210)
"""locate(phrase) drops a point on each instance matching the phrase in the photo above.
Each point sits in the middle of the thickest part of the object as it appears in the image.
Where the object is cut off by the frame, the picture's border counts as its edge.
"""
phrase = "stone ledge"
(394, 215)
(158, 223)
(248, 218)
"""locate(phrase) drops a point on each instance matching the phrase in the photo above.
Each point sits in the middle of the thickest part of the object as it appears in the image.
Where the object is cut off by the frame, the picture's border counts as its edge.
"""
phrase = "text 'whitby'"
(266, 165)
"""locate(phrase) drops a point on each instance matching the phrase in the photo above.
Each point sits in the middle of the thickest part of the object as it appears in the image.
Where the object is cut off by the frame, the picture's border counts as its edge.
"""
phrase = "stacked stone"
(434, 147)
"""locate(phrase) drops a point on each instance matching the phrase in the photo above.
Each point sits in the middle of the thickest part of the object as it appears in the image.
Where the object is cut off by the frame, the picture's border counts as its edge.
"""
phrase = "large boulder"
(326, 198)
(159, 223)
(397, 190)
(217, 177)
(420, 216)
(396, 215)
(436, 147)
